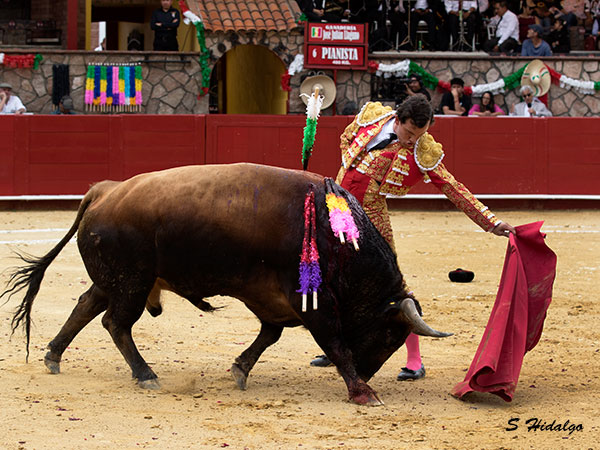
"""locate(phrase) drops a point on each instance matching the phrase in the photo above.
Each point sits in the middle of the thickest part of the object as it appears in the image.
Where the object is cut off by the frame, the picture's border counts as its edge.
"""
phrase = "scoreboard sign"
(335, 46)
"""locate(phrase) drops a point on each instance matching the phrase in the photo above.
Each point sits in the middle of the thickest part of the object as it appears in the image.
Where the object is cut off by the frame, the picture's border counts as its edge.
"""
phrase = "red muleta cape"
(517, 319)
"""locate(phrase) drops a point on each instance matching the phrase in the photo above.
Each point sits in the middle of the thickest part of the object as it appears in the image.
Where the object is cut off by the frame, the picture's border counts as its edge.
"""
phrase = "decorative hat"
(326, 88)
(461, 276)
(537, 76)
(6, 85)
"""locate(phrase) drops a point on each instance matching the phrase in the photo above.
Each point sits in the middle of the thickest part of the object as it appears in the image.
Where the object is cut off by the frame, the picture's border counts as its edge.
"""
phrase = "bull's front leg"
(358, 390)
(327, 332)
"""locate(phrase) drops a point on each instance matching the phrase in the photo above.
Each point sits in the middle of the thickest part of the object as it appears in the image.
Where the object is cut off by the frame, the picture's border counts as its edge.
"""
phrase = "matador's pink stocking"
(413, 354)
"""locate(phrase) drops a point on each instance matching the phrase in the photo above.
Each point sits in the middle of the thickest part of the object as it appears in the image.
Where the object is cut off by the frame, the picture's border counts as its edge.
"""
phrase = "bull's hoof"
(151, 384)
(368, 398)
(239, 376)
(53, 366)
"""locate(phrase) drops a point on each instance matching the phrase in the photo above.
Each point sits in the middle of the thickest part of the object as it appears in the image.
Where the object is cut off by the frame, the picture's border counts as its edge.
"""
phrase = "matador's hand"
(504, 229)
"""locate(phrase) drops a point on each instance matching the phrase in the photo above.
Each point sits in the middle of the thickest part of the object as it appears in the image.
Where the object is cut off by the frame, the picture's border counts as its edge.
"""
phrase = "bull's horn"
(418, 324)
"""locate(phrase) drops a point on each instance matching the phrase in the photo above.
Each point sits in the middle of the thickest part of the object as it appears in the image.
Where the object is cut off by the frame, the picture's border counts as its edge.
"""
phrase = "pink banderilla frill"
(341, 220)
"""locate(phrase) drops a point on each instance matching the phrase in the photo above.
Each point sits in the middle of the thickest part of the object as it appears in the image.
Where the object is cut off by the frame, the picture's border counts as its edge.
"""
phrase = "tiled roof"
(246, 15)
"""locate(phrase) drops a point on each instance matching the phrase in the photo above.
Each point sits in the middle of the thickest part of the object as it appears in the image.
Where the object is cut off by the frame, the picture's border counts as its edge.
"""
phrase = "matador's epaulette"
(367, 124)
(428, 153)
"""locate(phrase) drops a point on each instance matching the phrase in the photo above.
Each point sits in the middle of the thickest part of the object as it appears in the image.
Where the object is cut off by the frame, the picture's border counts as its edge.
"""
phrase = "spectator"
(455, 102)
(469, 17)
(534, 45)
(337, 10)
(102, 46)
(507, 30)
(10, 104)
(544, 18)
(414, 86)
(560, 11)
(487, 107)
(592, 13)
(65, 106)
(398, 18)
(164, 22)
(363, 11)
(423, 12)
(526, 18)
(559, 39)
(384, 24)
(321, 10)
(530, 106)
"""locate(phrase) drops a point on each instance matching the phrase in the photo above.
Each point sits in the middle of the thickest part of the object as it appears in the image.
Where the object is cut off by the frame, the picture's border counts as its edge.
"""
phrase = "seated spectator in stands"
(10, 104)
(567, 10)
(398, 18)
(320, 10)
(487, 107)
(362, 11)
(534, 45)
(422, 11)
(548, 14)
(559, 39)
(592, 14)
(530, 106)
(526, 18)
(469, 17)
(507, 30)
(455, 102)
(413, 87)
(65, 106)
(337, 9)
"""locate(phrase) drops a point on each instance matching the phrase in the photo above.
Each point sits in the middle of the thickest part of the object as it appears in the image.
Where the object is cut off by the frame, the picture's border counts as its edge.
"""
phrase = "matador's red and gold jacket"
(397, 169)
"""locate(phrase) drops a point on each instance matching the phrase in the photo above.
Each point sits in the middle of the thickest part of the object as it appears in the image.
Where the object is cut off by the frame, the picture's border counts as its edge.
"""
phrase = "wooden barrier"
(63, 155)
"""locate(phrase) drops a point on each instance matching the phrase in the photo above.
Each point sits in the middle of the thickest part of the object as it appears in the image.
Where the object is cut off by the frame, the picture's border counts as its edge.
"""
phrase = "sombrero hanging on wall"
(537, 76)
(326, 88)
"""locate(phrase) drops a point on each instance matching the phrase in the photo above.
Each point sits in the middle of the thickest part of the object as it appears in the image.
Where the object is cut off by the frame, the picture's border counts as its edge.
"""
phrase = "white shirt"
(508, 27)
(452, 5)
(12, 105)
(538, 106)
(384, 133)
(421, 4)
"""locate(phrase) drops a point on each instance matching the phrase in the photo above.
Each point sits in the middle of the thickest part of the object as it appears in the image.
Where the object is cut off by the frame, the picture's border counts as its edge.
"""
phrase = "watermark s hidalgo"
(535, 424)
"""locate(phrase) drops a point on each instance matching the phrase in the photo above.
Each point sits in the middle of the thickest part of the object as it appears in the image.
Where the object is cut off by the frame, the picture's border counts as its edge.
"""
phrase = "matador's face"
(408, 133)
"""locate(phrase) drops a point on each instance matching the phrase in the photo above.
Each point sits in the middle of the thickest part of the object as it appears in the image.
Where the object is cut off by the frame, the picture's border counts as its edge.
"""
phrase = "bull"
(234, 230)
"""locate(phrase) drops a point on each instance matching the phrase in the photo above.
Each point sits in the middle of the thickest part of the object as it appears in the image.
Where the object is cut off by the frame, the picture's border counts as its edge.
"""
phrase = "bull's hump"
(196, 181)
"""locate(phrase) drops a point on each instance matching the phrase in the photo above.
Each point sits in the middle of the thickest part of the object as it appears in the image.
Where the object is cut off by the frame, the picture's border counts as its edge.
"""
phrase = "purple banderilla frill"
(309, 270)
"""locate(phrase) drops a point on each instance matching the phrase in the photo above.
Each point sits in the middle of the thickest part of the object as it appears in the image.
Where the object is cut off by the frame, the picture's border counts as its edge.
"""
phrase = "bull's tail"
(30, 275)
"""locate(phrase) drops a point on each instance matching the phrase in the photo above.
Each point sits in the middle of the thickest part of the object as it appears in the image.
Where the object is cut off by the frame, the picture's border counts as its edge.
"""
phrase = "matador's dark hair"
(417, 108)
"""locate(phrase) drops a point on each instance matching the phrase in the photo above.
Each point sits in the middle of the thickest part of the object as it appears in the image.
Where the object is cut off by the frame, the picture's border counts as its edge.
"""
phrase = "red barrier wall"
(64, 154)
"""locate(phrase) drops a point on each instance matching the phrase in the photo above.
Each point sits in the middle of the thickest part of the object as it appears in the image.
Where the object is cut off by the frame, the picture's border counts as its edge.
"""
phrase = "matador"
(387, 152)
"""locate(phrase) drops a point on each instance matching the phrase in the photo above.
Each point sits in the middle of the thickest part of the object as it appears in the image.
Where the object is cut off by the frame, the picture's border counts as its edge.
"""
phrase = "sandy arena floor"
(94, 403)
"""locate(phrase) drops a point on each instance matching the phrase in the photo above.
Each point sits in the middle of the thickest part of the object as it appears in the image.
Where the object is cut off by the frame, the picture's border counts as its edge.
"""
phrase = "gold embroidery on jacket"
(458, 194)
(375, 165)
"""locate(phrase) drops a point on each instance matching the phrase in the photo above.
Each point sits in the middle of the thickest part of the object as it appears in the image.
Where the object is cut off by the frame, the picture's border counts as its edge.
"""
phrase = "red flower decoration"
(183, 6)
(373, 66)
(285, 82)
(443, 85)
